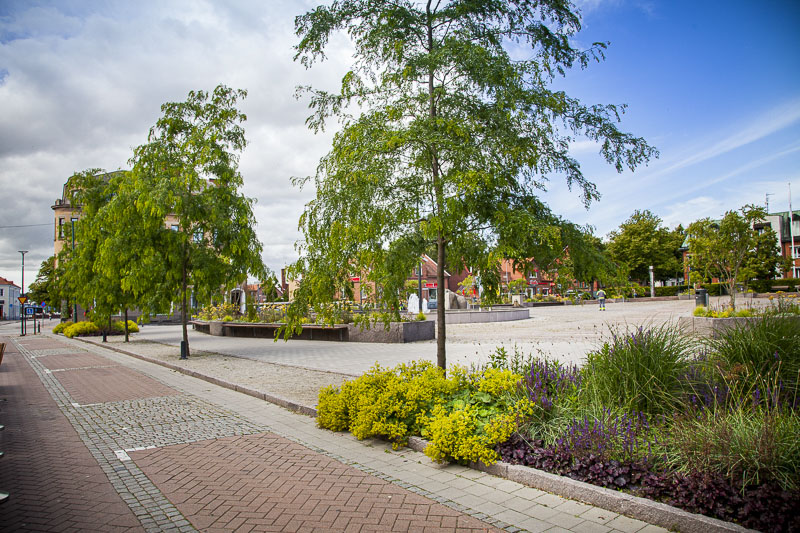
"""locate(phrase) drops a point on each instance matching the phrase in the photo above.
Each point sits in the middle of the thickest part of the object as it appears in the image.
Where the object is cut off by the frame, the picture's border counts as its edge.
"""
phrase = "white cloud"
(85, 82)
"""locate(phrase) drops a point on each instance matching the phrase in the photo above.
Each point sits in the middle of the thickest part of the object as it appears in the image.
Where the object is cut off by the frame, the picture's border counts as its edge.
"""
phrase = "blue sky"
(715, 86)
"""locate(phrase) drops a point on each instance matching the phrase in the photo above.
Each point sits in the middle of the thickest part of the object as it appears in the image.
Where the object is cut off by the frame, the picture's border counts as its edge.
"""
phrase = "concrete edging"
(643, 509)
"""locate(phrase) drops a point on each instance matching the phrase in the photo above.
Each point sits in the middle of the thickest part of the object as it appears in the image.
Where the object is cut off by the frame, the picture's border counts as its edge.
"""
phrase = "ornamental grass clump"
(746, 444)
(758, 354)
(638, 371)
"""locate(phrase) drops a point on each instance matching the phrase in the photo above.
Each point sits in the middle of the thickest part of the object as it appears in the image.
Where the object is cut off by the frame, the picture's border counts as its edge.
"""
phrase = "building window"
(61, 228)
(174, 227)
(198, 236)
(1, 292)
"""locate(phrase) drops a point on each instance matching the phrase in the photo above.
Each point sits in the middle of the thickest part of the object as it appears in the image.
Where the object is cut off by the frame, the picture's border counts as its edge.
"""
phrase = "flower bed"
(708, 427)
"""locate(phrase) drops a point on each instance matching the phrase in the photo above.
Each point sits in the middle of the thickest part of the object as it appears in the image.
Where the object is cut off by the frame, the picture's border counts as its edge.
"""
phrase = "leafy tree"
(642, 241)
(188, 172)
(721, 248)
(453, 140)
(765, 257)
(46, 287)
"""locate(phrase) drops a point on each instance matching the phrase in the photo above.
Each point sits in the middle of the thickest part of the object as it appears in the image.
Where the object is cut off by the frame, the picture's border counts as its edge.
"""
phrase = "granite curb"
(655, 513)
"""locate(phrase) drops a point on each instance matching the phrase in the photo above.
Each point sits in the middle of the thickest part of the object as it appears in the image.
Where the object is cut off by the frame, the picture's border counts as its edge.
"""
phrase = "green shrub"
(672, 290)
(421, 317)
(640, 370)
(227, 318)
(700, 311)
(119, 327)
(61, 327)
(385, 402)
(81, 329)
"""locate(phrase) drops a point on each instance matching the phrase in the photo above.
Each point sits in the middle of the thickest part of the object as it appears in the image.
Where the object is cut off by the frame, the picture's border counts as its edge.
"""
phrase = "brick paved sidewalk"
(54, 482)
(97, 442)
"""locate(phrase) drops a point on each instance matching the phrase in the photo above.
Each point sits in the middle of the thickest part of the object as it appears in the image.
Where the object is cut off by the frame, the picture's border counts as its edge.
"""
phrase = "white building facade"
(9, 303)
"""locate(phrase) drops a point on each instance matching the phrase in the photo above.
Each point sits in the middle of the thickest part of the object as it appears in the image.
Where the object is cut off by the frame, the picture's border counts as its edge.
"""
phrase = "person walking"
(601, 299)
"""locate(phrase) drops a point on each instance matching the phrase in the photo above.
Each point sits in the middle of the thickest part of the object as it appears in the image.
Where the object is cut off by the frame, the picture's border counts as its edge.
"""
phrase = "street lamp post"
(22, 293)
(74, 301)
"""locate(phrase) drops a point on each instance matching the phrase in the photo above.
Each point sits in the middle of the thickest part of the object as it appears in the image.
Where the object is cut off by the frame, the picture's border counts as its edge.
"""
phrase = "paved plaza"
(96, 440)
(564, 332)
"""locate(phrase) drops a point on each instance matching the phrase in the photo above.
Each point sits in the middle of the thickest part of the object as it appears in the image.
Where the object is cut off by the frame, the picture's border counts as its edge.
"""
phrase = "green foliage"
(768, 284)
(81, 329)
(642, 241)
(61, 326)
(420, 317)
(672, 290)
(753, 445)
(760, 352)
(46, 287)
(451, 145)
(721, 248)
(386, 403)
(638, 370)
(188, 170)
(764, 257)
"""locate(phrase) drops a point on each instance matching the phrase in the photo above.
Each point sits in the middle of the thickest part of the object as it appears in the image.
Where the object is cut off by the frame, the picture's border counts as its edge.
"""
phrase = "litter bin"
(701, 298)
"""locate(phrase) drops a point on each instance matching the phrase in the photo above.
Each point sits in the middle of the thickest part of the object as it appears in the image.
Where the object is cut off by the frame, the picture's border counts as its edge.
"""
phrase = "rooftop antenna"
(768, 195)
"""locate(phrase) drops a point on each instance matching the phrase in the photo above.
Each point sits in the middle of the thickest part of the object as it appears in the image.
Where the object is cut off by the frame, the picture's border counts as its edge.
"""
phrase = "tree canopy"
(721, 248)
(188, 172)
(642, 241)
(446, 138)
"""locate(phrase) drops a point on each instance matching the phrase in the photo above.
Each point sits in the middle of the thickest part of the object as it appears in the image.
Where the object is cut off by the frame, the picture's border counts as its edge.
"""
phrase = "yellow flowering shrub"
(385, 403)
(464, 416)
(497, 382)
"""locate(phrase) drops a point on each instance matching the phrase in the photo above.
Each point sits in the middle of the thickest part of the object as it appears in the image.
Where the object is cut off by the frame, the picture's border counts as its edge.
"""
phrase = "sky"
(714, 86)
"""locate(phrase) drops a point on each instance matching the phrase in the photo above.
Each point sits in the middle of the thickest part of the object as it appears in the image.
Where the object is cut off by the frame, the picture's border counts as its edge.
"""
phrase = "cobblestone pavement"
(157, 450)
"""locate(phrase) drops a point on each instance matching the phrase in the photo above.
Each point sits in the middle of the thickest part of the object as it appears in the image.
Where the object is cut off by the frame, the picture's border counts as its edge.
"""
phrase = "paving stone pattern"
(103, 384)
(268, 483)
(90, 483)
(54, 483)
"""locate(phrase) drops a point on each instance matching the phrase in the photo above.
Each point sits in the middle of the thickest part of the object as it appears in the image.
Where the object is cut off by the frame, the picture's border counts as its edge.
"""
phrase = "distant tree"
(764, 258)
(721, 248)
(454, 139)
(188, 169)
(46, 287)
(641, 241)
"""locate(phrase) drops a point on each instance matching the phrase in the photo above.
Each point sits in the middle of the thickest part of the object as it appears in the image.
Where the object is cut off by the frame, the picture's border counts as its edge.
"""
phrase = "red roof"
(4, 281)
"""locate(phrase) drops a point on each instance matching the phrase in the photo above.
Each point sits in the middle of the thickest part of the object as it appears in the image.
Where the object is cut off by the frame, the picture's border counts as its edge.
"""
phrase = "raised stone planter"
(712, 327)
(494, 315)
(398, 332)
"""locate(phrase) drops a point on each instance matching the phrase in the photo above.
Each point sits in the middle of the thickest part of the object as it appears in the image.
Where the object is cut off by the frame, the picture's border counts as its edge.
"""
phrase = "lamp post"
(74, 301)
(22, 293)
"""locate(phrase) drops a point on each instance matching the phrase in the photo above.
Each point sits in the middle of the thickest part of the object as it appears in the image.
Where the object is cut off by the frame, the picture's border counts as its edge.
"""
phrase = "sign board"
(431, 285)
(22, 299)
(354, 279)
(30, 310)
